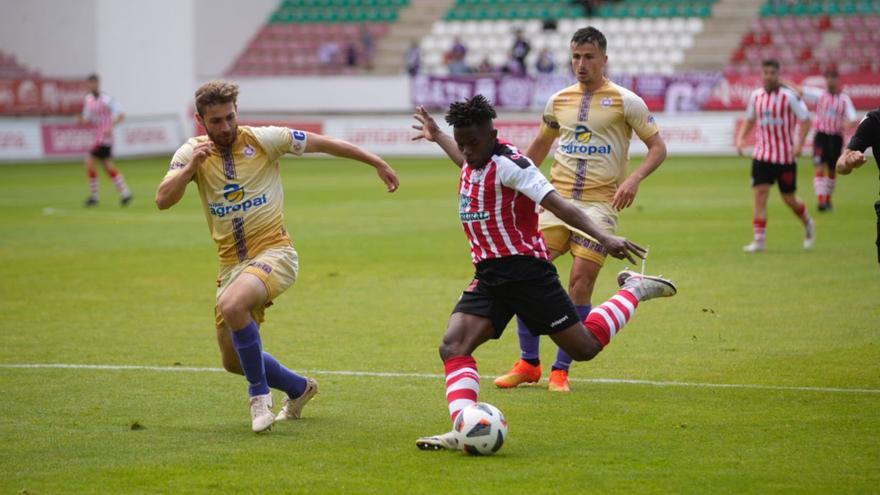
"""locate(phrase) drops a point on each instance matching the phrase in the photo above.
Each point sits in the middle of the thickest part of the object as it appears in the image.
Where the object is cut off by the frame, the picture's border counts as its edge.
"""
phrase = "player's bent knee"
(232, 365)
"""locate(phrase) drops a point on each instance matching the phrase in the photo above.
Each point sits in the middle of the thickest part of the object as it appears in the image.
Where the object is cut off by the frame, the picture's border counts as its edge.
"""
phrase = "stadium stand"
(807, 37)
(10, 68)
(315, 36)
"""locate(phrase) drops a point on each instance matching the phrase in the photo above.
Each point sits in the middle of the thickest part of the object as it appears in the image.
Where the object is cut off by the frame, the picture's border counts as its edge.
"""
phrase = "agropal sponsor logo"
(235, 194)
(580, 145)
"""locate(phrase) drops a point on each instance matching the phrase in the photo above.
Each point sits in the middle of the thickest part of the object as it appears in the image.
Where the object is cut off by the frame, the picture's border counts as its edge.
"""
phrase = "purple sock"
(529, 344)
(282, 378)
(563, 360)
(250, 352)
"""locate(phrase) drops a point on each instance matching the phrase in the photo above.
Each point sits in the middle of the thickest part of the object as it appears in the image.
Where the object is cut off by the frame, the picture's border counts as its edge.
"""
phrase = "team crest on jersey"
(606, 102)
(476, 176)
(233, 193)
(249, 151)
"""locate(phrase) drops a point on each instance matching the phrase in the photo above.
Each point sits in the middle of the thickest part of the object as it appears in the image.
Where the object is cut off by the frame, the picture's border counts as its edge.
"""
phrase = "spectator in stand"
(545, 63)
(513, 66)
(351, 53)
(368, 46)
(485, 67)
(458, 50)
(521, 49)
(413, 59)
(103, 113)
(455, 59)
(328, 53)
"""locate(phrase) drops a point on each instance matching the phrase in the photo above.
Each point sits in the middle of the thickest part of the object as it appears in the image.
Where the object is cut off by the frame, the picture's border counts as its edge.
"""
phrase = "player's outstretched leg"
(249, 347)
(118, 181)
(299, 389)
(528, 368)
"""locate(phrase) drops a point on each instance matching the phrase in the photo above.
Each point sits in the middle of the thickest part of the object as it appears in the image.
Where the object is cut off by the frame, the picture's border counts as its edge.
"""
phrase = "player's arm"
(627, 191)
(747, 126)
(854, 154)
(317, 143)
(800, 110)
(173, 186)
(540, 147)
(430, 131)
(617, 247)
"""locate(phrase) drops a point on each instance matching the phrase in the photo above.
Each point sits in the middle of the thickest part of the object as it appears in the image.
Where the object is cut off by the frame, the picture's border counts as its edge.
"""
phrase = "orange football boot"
(559, 381)
(522, 372)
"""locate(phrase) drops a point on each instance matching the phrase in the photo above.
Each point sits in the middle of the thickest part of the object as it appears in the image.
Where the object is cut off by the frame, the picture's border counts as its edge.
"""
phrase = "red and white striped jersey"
(497, 206)
(100, 111)
(833, 110)
(776, 114)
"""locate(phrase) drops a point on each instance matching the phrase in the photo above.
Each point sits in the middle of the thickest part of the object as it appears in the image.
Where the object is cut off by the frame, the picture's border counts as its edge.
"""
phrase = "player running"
(102, 112)
(776, 109)
(835, 114)
(594, 121)
(498, 192)
(237, 172)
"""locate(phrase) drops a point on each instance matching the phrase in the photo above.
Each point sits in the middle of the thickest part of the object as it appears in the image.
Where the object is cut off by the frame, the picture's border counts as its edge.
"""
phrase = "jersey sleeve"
(868, 133)
(181, 157)
(798, 106)
(549, 121)
(750, 107)
(115, 108)
(637, 115)
(280, 140)
(524, 176)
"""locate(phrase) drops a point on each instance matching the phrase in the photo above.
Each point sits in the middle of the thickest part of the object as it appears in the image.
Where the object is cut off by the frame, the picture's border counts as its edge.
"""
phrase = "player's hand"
(798, 149)
(739, 148)
(621, 248)
(389, 177)
(855, 159)
(201, 152)
(427, 126)
(626, 193)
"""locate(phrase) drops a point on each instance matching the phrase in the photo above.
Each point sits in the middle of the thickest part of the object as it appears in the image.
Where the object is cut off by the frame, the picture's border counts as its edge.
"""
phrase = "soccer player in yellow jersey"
(238, 175)
(594, 121)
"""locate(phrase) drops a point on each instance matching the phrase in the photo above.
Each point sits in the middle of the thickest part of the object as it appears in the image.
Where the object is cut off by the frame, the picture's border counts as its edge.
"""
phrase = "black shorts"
(877, 210)
(102, 152)
(768, 173)
(827, 149)
(523, 286)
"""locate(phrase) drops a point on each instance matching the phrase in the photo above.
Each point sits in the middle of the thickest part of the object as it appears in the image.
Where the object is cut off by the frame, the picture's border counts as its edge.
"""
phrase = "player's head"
(93, 83)
(832, 78)
(471, 122)
(588, 57)
(770, 74)
(217, 111)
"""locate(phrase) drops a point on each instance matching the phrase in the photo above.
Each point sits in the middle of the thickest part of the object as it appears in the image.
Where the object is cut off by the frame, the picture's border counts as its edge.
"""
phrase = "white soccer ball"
(480, 429)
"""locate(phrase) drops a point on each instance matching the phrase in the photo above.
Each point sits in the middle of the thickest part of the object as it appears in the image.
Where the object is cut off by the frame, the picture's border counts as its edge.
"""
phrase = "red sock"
(759, 225)
(802, 213)
(93, 184)
(611, 316)
(462, 383)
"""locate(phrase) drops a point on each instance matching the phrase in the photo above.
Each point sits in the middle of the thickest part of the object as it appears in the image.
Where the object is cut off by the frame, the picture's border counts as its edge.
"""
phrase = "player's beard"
(224, 140)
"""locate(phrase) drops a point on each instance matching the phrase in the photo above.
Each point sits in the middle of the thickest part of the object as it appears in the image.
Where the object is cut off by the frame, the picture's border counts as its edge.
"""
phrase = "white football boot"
(446, 441)
(809, 234)
(261, 412)
(645, 287)
(293, 407)
(755, 247)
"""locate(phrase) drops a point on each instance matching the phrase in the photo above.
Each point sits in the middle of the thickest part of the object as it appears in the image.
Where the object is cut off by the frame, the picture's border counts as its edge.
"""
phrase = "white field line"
(614, 381)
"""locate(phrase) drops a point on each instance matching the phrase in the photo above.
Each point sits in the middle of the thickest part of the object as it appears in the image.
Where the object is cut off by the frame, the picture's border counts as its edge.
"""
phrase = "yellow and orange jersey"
(241, 189)
(594, 131)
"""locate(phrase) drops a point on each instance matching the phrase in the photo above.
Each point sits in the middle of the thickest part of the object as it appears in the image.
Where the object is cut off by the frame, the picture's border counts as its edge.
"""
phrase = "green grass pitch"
(379, 274)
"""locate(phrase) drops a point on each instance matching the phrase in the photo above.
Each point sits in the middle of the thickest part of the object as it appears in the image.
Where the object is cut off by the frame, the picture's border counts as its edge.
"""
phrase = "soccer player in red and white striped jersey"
(499, 190)
(835, 113)
(777, 110)
(102, 112)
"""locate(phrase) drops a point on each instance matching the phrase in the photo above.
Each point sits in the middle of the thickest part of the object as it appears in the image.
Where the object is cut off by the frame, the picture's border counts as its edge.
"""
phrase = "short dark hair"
(770, 62)
(590, 34)
(92, 77)
(475, 111)
(831, 71)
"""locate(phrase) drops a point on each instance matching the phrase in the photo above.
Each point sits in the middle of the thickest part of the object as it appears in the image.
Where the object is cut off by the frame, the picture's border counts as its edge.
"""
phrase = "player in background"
(103, 113)
(237, 173)
(867, 136)
(835, 114)
(498, 192)
(776, 109)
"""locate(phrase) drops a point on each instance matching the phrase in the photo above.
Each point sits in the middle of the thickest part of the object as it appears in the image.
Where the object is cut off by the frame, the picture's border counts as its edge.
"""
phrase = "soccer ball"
(480, 429)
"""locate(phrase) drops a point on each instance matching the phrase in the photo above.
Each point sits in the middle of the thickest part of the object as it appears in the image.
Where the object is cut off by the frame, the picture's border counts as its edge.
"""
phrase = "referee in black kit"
(867, 136)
